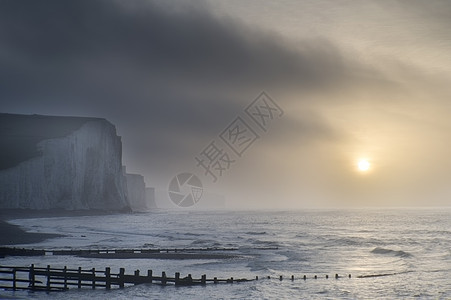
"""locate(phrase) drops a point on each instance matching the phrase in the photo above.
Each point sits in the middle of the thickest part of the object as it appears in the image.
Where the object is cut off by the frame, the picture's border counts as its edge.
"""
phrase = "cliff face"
(136, 192)
(68, 163)
(150, 198)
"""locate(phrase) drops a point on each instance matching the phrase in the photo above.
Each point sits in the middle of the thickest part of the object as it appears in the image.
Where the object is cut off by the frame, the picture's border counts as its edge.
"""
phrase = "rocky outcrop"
(60, 162)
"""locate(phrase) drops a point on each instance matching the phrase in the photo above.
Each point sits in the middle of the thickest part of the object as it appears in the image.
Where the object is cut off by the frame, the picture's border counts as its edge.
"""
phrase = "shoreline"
(12, 214)
(11, 234)
(14, 235)
(177, 256)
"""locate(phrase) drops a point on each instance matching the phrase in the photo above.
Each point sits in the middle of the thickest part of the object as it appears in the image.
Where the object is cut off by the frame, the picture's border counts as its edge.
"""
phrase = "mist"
(172, 76)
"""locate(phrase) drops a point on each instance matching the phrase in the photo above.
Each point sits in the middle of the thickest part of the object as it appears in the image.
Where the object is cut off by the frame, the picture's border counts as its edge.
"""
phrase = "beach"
(13, 235)
(405, 256)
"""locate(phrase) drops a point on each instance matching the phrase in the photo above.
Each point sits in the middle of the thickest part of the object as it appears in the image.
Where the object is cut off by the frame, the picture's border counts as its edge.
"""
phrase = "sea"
(390, 253)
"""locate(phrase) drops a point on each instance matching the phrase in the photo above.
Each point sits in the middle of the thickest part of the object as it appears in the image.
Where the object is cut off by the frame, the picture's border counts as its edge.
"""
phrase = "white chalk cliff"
(136, 191)
(60, 163)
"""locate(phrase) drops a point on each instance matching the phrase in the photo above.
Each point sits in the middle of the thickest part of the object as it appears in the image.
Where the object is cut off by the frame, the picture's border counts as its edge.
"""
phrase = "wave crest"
(400, 253)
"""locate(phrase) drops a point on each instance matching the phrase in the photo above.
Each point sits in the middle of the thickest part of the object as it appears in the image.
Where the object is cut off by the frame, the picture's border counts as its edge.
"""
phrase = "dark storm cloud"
(158, 71)
(87, 45)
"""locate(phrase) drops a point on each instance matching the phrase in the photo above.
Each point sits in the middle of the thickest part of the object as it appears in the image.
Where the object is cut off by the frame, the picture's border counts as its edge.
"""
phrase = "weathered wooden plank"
(63, 278)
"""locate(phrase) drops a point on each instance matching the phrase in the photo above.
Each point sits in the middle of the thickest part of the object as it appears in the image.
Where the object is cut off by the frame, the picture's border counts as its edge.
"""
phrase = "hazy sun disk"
(363, 165)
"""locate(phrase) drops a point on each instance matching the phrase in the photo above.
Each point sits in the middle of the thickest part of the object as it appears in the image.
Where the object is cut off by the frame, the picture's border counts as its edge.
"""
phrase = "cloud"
(172, 74)
(145, 64)
(81, 46)
(170, 78)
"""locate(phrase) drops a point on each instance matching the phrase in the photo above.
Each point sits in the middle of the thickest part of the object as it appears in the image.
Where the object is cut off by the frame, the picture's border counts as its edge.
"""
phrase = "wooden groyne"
(60, 279)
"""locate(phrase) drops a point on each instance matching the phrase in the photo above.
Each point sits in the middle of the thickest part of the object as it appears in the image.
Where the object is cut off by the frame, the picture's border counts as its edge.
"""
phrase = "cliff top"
(19, 134)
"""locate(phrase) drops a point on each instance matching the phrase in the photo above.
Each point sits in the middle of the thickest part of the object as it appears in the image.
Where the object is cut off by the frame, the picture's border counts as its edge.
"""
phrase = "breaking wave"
(384, 251)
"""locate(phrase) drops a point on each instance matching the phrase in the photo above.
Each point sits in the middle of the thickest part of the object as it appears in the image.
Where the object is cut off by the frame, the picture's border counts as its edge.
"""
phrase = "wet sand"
(10, 214)
(13, 235)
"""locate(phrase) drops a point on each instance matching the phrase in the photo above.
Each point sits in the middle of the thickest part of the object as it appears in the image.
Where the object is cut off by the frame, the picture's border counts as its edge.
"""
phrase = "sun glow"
(363, 165)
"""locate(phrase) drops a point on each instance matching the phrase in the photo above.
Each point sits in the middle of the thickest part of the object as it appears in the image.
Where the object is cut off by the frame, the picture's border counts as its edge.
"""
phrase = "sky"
(356, 80)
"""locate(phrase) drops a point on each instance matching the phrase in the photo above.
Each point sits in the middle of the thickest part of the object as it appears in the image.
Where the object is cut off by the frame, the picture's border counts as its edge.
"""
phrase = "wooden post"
(108, 278)
(93, 278)
(121, 278)
(14, 279)
(47, 273)
(177, 278)
(31, 277)
(65, 277)
(79, 277)
(149, 275)
(163, 277)
(204, 279)
(136, 281)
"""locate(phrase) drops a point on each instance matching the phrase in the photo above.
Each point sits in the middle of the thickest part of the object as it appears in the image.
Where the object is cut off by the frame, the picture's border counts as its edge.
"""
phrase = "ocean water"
(410, 248)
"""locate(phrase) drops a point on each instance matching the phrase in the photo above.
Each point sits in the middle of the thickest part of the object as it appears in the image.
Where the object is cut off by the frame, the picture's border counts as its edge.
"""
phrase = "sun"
(364, 165)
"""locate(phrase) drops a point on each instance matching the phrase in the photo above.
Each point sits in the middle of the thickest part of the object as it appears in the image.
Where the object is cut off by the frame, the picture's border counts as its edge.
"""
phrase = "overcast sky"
(355, 79)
